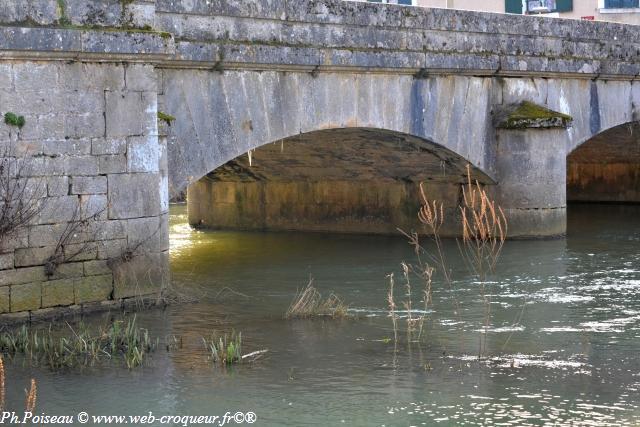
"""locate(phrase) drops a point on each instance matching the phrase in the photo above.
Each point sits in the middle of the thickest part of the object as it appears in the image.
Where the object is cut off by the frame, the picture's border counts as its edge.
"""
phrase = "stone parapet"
(327, 35)
(335, 34)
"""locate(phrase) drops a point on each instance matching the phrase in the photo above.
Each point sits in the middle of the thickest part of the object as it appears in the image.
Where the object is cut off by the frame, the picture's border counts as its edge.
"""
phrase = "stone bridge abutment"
(314, 115)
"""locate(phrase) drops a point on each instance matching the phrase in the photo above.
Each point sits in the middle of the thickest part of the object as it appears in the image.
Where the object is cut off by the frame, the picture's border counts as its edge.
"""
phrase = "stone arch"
(606, 167)
(598, 107)
(222, 115)
(353, 180)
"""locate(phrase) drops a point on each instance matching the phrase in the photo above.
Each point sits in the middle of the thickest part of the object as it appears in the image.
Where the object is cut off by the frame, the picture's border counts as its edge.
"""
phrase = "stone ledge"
(79, 42)
(220, 56)
(527, 115)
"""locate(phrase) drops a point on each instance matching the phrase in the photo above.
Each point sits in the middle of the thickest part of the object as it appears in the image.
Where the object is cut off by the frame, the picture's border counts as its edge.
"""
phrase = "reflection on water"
(562, 343)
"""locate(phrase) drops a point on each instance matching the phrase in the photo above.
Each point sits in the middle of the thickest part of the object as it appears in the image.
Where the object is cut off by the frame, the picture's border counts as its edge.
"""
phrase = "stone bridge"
(281, 114)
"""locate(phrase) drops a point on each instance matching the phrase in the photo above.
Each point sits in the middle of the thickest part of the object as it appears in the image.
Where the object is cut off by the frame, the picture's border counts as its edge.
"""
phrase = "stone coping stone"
(527, 115)
(88, 41)
(387, 15)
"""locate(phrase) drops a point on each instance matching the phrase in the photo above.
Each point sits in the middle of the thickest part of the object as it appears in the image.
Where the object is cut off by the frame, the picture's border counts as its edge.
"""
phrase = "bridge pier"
(531, 174)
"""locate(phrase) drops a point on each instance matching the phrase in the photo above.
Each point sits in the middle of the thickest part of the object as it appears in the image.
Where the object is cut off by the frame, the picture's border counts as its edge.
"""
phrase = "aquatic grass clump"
(120, 339)
(30, 404)
(225, 349)
(309, 303)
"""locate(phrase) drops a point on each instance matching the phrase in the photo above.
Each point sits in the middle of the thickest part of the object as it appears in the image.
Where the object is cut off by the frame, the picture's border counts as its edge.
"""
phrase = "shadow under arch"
(606, 167)
(348, 180)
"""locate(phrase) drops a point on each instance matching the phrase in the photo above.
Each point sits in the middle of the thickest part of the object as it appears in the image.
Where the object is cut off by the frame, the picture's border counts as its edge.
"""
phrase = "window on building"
(621, 4)
(538, 6)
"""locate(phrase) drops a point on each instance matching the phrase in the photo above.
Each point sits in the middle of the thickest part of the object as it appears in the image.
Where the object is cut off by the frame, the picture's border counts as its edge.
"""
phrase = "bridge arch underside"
(606, 168)
(347, 180)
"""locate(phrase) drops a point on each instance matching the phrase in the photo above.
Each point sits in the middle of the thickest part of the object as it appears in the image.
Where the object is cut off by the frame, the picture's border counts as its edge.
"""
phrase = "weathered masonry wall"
(364, 207)
(94, 163)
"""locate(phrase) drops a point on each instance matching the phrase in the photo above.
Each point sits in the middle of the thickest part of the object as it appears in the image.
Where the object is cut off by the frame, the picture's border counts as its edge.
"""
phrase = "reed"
(309, 303)
(2, 389)
(30, 404)
(392, 308)
(224, 349)
(227, 349)
(484, 228)
(484, 231)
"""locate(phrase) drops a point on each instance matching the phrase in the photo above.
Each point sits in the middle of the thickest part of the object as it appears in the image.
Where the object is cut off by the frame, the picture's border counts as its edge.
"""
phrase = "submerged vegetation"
(309, 303)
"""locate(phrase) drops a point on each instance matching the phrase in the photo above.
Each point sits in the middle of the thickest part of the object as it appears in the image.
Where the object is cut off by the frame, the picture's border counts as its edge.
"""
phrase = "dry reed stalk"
(407, 302)
(431, 215)
(30, 404)
(309, 303)
(2, 390)
(484, 228)
(426, 293)
(31, 397)
(392, 308)
(484, 231)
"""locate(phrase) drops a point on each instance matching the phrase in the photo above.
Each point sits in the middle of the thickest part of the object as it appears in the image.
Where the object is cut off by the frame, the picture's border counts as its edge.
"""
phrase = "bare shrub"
(21, 195)
(78, 233)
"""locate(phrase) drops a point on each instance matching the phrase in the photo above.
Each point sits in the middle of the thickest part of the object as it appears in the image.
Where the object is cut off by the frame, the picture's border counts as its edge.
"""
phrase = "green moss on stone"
(530, 115)
(62, 11)
(12, 119)
(167, 118)
(529, 110)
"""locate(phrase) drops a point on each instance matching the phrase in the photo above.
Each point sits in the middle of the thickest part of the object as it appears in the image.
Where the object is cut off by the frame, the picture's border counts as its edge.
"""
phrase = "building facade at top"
(623, 11)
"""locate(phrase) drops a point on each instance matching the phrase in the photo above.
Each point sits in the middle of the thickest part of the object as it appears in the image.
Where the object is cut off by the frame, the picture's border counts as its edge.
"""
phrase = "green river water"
(563, 345)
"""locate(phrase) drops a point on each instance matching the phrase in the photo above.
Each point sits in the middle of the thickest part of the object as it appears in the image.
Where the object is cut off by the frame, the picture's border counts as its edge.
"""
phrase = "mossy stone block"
(143, 275)
(93, 289)
(529, 115)
(4, 299)
(26, 297)
(57, 293)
